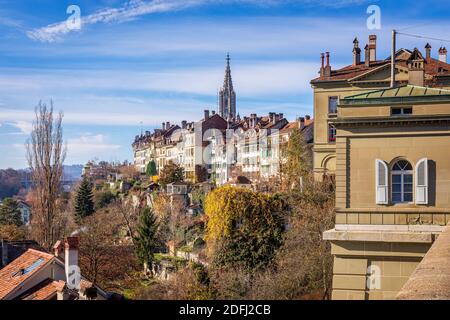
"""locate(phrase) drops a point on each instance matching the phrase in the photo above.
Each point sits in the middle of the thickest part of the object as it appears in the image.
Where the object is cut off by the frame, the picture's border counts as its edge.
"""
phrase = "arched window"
(402, 182)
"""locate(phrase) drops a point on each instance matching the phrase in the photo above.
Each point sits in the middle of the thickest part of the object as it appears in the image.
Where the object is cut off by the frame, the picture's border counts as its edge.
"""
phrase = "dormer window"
(403, 111)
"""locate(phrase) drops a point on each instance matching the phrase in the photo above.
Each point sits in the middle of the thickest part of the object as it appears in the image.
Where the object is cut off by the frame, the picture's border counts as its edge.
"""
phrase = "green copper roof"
(405, 91)
(404, 94)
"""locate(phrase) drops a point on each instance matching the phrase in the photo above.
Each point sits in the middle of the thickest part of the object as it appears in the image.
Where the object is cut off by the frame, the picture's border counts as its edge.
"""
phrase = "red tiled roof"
(21, 269)
(433, 67)
(45, 290)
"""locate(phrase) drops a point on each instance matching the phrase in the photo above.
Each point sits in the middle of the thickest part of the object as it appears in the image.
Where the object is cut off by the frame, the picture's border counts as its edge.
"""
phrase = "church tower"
(227, 96)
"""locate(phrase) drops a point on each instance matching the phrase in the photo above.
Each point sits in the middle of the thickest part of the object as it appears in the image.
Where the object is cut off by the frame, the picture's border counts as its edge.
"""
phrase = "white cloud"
(25, 127)
(89, 145)
(261, 78)
(130, 10)
(134, 9)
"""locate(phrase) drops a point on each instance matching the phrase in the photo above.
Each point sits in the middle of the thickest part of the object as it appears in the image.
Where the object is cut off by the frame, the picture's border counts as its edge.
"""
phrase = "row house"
(251, 147)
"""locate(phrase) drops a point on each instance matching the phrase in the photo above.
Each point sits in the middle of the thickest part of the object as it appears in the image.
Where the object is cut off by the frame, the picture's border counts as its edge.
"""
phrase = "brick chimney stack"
(71, 262)
(443, 54)
(322, 68)
(373, 48)
(327, 70)
(367, 56)
(428, 52)
(356, 52)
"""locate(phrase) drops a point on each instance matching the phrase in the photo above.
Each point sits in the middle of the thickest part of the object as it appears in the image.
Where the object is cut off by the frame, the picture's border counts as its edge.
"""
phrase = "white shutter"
(422, 181)
(381, 182)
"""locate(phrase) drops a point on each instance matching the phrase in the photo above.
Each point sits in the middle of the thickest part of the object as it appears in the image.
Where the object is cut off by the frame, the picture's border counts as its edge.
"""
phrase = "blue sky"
(154, 61)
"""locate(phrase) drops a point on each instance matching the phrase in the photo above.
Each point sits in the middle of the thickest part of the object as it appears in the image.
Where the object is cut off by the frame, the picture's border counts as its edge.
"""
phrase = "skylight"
(29, 269)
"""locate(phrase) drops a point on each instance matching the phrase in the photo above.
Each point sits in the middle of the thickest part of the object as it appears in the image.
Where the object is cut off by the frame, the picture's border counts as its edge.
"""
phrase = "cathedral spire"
(227, 96)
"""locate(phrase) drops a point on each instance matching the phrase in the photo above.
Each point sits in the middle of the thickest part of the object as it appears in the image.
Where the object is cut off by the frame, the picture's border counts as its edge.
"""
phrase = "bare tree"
(45, 155)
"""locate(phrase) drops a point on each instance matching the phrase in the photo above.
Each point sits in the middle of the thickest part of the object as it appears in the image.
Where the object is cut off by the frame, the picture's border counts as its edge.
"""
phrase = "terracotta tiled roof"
(433, 67)
(21, 269)
(45, 290)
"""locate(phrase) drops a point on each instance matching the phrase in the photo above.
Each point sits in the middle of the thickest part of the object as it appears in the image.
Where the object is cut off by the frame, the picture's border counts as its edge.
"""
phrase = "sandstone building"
(388, 150)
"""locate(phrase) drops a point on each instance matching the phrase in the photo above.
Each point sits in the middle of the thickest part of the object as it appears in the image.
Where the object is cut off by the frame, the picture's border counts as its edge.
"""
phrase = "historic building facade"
(360, 77)
(392, 173)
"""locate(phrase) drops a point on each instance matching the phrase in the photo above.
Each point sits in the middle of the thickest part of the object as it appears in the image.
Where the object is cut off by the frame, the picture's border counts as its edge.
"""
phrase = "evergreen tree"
(10, 213)
(84, 200)
(145, 241)
(151, 169)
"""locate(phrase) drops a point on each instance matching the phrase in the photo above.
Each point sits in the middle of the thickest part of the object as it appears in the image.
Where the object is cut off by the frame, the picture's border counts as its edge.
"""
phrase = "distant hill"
(72, 172)
(12, 181)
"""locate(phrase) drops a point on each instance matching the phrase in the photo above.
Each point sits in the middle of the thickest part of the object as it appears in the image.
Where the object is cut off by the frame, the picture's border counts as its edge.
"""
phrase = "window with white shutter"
(422, 181)
(381, 182)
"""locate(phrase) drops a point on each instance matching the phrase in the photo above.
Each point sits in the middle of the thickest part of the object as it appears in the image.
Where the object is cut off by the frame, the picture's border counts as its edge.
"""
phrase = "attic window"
(401, 111)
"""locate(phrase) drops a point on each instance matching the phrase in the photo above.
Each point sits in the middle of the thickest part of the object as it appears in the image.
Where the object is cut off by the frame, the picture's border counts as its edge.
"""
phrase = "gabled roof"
(21, 269)
(46, 290)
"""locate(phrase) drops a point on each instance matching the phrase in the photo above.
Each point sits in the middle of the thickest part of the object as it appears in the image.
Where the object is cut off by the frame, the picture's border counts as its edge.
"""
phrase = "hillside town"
(349, 203)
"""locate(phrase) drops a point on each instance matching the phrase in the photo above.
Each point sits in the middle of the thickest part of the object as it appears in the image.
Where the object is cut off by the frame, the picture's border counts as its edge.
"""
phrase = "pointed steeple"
(227, 96)
(228, 81)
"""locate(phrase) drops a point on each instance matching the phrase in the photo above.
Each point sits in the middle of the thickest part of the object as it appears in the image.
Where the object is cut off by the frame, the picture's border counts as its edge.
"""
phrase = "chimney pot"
(322, 68)
(356, 52)
(206, 112)
(367, 56)
(428, 51)
(373, 48)
(301, 122)
(327, 71)
(443, 54)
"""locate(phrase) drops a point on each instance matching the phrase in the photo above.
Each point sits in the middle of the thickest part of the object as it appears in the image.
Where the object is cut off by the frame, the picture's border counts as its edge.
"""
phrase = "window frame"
(331, 138)
(402, 111)
(402, 174)
(329, 105)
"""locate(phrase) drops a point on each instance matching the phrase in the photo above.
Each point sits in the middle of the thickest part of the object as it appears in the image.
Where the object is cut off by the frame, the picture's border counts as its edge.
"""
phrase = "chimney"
(322, 68)
(183, 124)
(281, 116)
(428, 51)
(213, 112)
(58, 249)
(356, 52)
(443, 54)
(206, 112)
(164, 126)
(327, 71)
(307, 118)
(301, 122)
(373, 47)
(71, 262)
(4, 258)
(367, 56)
(416, 70)
(167, 125)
